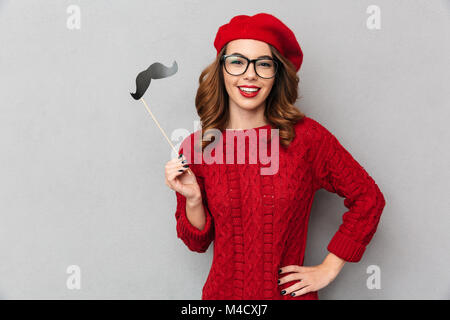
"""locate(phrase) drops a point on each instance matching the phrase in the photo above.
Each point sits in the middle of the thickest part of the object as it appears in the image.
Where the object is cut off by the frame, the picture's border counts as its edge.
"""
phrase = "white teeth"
(249, 89)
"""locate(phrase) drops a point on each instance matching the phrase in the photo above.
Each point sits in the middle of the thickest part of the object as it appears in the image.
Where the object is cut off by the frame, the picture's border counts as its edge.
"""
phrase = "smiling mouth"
(249, 90)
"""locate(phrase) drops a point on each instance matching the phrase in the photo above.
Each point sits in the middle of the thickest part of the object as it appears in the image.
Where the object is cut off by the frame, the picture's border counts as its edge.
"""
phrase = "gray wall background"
(82, 163)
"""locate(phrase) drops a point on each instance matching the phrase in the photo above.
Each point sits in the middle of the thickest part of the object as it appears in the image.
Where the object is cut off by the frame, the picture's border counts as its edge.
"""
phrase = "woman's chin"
(248, 105)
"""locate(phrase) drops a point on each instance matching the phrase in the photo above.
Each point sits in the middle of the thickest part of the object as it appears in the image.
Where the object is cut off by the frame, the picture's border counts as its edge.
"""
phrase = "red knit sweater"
(259, 222)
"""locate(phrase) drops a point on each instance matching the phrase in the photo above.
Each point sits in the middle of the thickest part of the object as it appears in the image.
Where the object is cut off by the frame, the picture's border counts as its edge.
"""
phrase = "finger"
(179, 168)
(174, 173)
(173, 184)
(175, 167)
(175, 162)
(181, 157)
(291, 277)
(176, 185)
(171, 176)
(305, 289)
(295, 287)
(183, 162)
(290, 268)
(307, 268)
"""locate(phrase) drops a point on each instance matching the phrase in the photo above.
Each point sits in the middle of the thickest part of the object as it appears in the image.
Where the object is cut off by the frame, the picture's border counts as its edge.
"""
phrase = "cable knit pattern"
(337, 171)
(258, 222)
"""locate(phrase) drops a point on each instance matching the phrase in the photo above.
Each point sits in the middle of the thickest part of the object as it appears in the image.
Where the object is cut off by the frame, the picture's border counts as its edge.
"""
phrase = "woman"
(258, 221)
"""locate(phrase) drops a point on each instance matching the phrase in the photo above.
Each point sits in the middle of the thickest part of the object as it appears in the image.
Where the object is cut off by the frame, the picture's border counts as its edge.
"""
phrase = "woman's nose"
(251, 70)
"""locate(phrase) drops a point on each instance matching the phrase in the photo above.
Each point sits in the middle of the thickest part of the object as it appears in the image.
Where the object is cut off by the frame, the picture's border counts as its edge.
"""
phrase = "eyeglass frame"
(222, 59)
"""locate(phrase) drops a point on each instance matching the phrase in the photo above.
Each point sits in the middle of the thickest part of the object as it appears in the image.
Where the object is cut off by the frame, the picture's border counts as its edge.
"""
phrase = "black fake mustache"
(155, 71)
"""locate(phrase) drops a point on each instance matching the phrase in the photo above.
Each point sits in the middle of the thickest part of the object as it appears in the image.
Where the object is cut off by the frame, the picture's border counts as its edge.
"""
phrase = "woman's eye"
(235, 62)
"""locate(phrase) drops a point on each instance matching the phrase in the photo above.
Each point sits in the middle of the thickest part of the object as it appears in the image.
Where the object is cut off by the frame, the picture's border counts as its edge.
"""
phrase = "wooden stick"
(170, 142)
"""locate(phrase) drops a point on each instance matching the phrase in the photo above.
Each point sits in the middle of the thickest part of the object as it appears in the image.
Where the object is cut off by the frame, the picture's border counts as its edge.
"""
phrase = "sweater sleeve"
(337, 171)
(195, 239)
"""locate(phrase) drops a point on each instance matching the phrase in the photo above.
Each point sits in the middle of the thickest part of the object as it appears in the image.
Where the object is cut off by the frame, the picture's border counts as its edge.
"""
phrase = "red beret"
(264, 27)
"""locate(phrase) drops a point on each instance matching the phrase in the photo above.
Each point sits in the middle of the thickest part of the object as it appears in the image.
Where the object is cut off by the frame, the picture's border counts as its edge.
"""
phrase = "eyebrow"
(256, 58)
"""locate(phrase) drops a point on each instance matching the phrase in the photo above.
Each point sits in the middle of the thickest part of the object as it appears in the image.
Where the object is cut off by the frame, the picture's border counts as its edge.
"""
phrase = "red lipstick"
(249, 94)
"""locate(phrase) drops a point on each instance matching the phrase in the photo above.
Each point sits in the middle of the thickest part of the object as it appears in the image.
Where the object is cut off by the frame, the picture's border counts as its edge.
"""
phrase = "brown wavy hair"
(211, 100)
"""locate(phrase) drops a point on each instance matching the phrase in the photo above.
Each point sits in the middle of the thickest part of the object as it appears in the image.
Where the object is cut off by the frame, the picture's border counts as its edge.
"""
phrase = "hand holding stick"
(143, 80)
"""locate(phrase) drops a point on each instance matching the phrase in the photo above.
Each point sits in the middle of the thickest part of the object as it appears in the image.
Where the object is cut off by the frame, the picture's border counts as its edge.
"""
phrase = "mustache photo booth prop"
(144, 78)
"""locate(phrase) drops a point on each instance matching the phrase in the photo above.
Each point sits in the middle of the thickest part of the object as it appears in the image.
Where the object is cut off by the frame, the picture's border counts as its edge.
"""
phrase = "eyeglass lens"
(236, 65)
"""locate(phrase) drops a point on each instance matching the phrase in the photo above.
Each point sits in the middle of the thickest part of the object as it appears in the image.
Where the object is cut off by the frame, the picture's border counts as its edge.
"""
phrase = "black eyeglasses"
(236, 65)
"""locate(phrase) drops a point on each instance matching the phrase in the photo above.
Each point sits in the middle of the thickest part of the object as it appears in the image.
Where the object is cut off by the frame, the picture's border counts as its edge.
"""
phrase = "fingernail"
(181, 170)
(293, 294)
(278, 281)
(183, 161)
(180, 155)
(279, 270)
(283, 292)
(186, 166)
